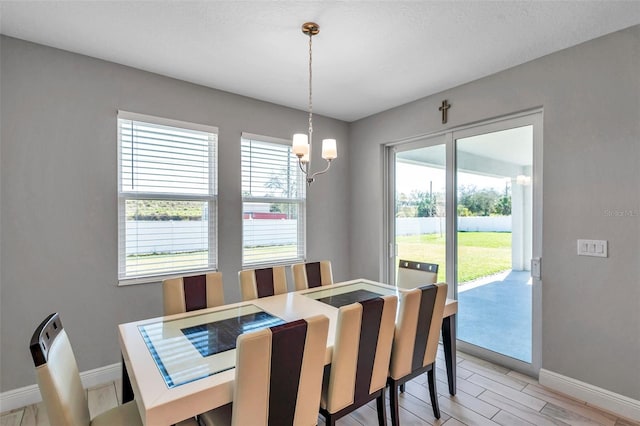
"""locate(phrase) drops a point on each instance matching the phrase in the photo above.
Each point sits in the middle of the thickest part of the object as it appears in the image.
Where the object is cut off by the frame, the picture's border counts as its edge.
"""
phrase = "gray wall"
(591, 99)
(59, 195)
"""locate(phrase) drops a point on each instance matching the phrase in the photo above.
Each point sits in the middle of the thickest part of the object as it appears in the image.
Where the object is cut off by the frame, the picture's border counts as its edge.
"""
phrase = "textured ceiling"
(368, 57)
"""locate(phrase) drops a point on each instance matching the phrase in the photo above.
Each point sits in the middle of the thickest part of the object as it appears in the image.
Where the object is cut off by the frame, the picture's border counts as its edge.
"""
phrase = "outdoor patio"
(495, 313)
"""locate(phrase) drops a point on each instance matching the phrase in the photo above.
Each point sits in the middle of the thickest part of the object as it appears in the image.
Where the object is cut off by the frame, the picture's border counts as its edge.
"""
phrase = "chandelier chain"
(310, 88)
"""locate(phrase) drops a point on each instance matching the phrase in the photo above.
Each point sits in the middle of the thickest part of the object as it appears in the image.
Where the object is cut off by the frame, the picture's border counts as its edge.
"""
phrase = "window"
(273, 202)
(167, 197)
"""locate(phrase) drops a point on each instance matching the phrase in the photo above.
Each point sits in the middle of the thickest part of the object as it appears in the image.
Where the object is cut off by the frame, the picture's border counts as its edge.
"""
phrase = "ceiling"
(512, 147)
(369, 56)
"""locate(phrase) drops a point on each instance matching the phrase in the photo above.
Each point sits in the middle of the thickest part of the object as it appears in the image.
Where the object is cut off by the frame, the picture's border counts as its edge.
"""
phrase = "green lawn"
(196, 260)
(264, 254)
(479, 253)
(152, 262)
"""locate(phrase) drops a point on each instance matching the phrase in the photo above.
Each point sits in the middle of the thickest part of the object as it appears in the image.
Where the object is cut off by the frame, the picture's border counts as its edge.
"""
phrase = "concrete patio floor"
(495, 313)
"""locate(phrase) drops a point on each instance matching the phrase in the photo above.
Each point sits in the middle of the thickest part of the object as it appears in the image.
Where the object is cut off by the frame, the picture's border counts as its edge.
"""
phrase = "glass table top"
(342, 295)
(195, 347)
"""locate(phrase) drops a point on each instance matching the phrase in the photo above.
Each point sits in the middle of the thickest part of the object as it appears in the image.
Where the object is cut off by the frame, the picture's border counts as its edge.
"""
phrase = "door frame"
(532, 117)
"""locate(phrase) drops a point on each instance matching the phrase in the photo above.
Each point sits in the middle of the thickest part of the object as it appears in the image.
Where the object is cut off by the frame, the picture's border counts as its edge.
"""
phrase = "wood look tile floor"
(488, 394)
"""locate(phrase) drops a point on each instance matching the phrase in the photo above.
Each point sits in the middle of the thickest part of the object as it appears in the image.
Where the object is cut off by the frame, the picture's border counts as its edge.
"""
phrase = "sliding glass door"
(494, 244)
(469, 201)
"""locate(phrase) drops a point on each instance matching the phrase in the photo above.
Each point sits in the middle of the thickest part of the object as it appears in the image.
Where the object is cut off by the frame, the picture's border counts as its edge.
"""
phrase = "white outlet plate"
(596, 248)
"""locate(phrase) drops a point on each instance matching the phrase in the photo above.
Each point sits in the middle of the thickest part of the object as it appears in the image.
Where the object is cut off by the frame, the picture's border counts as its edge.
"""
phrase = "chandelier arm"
(304, 169)
(326, 169)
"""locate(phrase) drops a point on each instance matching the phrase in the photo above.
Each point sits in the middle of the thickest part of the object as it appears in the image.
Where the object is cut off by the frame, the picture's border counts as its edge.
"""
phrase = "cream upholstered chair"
(414, 274)
(360, 361)
(60, 385)
(256, 283)
(278, 376)
(312, 274)
(415, 342)
(185, 294)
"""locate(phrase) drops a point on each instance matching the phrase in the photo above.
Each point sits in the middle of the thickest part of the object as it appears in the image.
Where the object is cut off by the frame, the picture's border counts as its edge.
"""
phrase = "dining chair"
(415, 342)
(360, 361)
(59, 381)
(278, 376)
(312, 274)
(413, 274)
(256, 283)
(186, 294)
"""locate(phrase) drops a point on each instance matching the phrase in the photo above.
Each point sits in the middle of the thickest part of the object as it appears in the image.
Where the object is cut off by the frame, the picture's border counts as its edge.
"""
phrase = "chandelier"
(302, 142)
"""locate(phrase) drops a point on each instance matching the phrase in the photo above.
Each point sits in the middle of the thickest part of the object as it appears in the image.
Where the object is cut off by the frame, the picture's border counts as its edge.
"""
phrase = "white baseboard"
(617, 404)
(102, 375)
(28, 395)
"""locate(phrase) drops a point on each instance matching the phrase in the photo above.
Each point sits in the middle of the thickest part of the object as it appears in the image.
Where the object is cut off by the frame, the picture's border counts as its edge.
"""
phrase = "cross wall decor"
(444, 107)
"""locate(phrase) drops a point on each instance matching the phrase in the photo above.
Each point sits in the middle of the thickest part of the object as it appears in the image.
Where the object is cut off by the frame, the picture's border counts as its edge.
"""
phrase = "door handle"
(536, 268)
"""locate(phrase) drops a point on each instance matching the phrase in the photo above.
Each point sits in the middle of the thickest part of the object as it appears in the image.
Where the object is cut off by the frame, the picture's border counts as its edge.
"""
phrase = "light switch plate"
(596, 248)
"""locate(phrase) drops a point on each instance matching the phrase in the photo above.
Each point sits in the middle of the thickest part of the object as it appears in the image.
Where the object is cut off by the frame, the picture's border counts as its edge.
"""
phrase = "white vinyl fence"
(155, 236)
(259, 232)
(435, 225)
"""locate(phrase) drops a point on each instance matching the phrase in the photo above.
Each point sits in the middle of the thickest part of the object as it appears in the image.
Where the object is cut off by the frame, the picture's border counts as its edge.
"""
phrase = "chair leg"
(433, 392)
(402, 388)
(382, 411)
(329, 420)
(393, 405)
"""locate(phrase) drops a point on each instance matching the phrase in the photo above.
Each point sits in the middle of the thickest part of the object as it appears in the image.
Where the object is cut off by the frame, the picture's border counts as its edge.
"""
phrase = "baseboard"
(28, 395)
(617, 404)
(102, 375)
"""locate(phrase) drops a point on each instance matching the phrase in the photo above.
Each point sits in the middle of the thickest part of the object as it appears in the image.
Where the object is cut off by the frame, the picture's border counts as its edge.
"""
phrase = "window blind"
(273, 203)
(167, 198)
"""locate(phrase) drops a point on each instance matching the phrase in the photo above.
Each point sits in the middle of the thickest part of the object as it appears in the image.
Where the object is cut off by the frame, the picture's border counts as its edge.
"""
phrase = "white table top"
(186, 383)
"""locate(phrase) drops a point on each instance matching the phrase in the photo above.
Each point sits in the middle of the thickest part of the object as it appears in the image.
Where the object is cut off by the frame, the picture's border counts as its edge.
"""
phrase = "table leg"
(127, 390)
(449, 344)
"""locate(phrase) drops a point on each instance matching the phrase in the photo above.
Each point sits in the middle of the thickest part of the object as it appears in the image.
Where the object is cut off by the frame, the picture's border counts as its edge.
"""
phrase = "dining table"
(181, 365)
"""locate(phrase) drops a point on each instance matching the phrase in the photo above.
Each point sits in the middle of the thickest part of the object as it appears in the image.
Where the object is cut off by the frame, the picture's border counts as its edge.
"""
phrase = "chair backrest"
(414, 274)
(185, 294)
(256, 283)
(415, 341)
(57, 374)
(313, 274)
(361, 352)
(279, 374)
